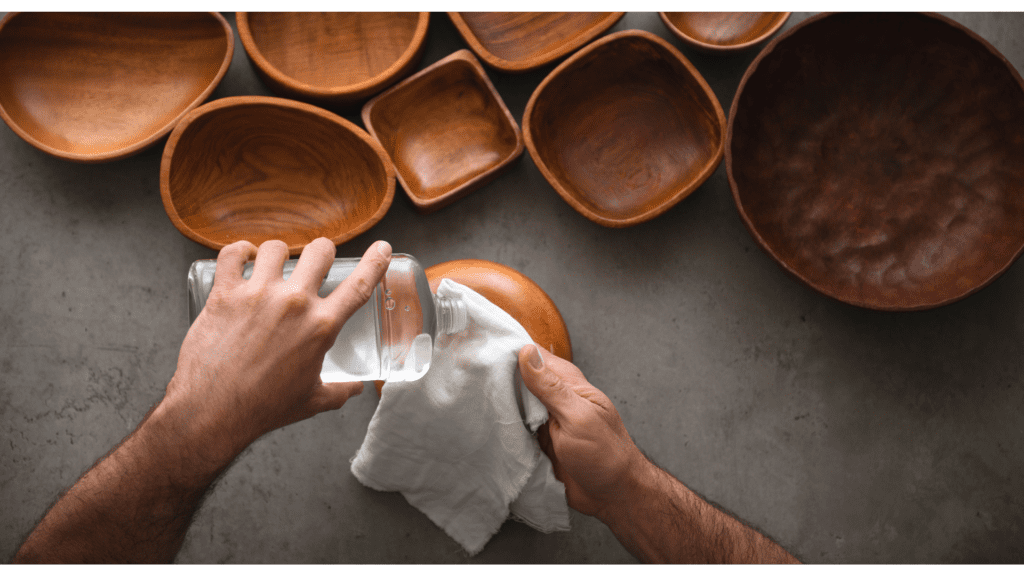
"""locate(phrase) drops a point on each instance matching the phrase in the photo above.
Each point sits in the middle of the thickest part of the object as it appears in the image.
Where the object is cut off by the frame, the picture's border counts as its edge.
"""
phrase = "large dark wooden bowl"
(446, 129)
(880, 158)
(521, 41)
(100, 87)
(625, 128)
(723, 31)
(334, 59)
(256, 168)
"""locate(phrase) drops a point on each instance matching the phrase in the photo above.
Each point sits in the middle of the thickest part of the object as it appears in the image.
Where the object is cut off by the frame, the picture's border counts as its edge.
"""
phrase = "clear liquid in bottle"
(391, 337)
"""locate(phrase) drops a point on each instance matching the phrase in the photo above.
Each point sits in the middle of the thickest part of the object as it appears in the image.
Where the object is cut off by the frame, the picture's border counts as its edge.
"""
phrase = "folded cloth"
(455, 442)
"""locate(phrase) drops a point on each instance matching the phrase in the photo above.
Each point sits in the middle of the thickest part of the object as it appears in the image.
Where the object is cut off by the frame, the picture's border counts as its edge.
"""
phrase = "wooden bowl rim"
(166, 163)
(433, 271)
(125, 152)
(536, 61)
(748, 223)
(458, 56)
(319, 92)
(682, 193)
(783, 18)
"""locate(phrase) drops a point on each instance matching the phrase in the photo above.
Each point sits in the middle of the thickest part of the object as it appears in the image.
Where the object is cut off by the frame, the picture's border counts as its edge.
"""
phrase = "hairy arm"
(249, 364)
(652, 514)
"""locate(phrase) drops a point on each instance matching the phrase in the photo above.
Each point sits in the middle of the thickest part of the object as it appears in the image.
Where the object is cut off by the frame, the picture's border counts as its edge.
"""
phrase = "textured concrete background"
(847, 435)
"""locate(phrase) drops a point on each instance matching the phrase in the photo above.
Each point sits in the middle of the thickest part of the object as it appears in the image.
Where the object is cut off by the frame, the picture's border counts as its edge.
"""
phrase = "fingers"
(314, 263)
(269, 261)
(231, 261)
(358, 287)
(548, 386)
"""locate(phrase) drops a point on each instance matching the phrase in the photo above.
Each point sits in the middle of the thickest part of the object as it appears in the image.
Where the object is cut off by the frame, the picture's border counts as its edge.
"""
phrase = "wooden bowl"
(521, 41)
(625, 128)
(256, 168)
(878, 158)
(514, 293)
(332, 58)
(446, 129)
(723, 31)
(99, 87)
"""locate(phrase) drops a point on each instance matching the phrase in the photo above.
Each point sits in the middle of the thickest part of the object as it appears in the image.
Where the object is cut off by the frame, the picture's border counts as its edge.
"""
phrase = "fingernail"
(384, 248)
(534, 359)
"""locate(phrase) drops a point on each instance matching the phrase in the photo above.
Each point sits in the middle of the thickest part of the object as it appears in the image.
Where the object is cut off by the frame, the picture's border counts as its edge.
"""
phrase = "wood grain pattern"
(446, 130)
(333, 59)
(521, 41)
(100, 87)
(724, 31)
(877, 158)
(256, 168)
(625, 129)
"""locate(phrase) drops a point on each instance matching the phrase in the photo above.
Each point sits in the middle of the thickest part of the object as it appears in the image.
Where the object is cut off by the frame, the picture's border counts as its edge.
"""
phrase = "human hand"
(251, 361)
(588, 444)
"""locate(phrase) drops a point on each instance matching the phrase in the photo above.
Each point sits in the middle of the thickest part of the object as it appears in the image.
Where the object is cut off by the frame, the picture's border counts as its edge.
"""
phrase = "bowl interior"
(93, 84)
(878, 157)
(625, 127)
(725, 28)
(261, 171)
(443, 129)
(333, 49)
(517, 36)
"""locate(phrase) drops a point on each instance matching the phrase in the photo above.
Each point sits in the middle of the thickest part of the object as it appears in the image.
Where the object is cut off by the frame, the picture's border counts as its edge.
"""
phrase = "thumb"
(544, 383)
(333, 395)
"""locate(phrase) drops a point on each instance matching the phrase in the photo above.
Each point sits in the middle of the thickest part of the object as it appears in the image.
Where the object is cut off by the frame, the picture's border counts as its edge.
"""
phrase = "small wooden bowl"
(878, 158)
(625, 128)
(514, 293)
(723, 31)
(257, 168)
(100, 87)
(446, 129)
(332, 58)
(521, 41)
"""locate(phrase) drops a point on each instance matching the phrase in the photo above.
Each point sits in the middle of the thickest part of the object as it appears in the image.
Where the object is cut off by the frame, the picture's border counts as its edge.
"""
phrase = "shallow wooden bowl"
(332, 58)
(446, 129)
(878, 158)
(99, 87)
(256, 168)
(521, 41)
(625, 128)
(723, 31)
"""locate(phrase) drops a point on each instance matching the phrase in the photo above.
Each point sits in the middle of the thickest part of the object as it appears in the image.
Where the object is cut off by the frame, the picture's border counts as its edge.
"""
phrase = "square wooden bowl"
(521, 41)
(446, 130)
(625, 129)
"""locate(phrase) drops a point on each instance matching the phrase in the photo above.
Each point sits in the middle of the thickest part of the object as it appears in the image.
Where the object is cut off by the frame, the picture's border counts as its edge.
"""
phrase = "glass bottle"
(390, 338)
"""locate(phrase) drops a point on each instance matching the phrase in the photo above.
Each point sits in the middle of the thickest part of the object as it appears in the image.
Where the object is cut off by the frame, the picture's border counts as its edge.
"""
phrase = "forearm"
(662, 520)
(134, 505)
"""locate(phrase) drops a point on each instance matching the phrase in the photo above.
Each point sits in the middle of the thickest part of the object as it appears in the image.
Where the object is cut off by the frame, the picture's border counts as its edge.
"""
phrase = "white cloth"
(455, 443)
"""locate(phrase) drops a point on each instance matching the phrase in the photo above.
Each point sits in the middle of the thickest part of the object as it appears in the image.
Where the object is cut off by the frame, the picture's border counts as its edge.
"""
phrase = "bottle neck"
(451, 315)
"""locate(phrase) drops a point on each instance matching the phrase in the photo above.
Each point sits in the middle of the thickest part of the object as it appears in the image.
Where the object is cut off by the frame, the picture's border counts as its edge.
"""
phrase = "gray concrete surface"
(847, 435)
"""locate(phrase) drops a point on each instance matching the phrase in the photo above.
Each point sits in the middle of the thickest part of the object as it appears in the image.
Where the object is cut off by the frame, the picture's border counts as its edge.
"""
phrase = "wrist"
(639, 479)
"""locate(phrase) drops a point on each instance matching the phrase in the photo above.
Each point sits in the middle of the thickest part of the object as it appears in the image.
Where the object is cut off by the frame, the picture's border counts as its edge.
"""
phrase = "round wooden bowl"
(625, 128)
(521, 41)
(99, 87)
(332, 58)
(257, 168)
(446, 129)
(723, 31)
(514, 293)
(878, 158)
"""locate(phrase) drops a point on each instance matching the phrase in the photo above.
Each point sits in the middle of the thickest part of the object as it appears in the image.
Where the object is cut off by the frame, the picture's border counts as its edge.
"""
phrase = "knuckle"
(362, 287)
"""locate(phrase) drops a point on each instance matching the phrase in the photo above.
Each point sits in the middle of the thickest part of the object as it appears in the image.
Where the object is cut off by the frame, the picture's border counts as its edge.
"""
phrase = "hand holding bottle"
(251, 361)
